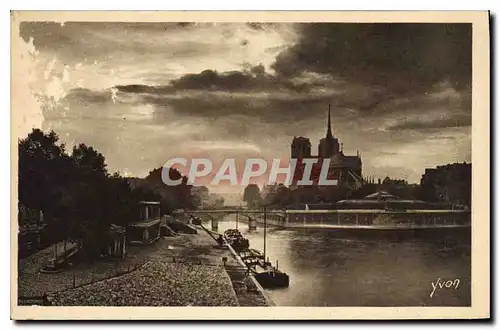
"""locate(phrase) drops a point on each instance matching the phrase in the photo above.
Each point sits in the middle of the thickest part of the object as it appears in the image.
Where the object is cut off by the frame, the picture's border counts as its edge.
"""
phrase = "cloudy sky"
(144, 93)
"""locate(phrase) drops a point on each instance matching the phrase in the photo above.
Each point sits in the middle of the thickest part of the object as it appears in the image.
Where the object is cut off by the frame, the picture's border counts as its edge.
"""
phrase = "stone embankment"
(182, 270)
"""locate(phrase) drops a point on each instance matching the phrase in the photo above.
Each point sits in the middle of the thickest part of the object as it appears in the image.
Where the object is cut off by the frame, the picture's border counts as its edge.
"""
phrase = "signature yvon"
(444, 284)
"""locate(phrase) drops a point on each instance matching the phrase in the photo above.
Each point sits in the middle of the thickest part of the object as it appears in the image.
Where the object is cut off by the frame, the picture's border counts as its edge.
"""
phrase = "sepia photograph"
(276, 160)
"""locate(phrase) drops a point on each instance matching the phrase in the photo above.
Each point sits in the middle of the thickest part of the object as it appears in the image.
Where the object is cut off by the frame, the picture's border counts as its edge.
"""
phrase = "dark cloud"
(365, 68)
(414, 124)
(254, 79)
(252, 92)
(137, 88)
(214, 105)
(403, 58)
(211, 95)
(85, 95)
(212, 80)
(258, 70)
(249, 79)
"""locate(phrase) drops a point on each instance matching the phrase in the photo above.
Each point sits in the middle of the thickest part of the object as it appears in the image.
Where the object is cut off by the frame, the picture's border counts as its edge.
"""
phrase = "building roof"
(117, 229)
(381, 195)
(145, 223)
(301, 138)
(149, 203)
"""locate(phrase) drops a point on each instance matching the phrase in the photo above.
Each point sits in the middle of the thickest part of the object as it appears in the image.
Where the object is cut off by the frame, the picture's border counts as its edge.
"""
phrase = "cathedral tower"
(329, 145)
(301, 147)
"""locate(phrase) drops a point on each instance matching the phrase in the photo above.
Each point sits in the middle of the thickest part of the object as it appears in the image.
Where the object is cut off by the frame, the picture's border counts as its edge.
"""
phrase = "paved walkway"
(194, 249)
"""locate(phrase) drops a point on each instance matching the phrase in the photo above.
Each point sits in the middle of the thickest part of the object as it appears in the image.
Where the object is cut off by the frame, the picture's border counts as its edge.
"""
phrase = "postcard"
(250, 165)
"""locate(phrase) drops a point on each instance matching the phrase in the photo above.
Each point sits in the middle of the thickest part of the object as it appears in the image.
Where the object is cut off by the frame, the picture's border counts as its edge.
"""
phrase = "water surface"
(328, 269)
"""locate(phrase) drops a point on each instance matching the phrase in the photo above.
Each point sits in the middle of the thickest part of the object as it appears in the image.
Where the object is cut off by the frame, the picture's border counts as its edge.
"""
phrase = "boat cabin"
(147, 229)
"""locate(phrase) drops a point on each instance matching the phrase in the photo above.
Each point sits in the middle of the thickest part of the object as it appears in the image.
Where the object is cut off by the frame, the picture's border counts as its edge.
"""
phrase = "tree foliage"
(251, 195)
(77, 195)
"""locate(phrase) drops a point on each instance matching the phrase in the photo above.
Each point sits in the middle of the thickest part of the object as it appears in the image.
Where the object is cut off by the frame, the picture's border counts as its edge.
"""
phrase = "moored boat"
(252, 257)
(263, 271)
(234, 238)
(272, 278)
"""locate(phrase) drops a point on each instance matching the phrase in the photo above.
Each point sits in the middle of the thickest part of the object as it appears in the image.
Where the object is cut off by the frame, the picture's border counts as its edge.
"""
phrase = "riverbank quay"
(252, 279)
(181, 270)
(247, 288)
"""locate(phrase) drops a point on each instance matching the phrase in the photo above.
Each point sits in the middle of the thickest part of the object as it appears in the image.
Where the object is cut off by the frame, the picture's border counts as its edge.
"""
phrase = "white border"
(194, 5)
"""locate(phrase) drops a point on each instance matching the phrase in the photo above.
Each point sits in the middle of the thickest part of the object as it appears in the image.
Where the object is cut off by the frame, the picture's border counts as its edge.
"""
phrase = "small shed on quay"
(147, 229)
(116, 244)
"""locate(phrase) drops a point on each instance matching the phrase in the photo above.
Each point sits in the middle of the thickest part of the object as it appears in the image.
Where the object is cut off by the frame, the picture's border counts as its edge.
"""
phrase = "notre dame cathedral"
(347, 169)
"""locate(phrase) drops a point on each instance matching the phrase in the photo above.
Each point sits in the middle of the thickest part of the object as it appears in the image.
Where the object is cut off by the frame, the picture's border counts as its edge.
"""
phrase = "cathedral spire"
(329, 128)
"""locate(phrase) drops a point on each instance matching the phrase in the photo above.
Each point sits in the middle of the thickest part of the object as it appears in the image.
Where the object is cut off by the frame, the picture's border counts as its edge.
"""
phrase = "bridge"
(338, 218)
(252, 216)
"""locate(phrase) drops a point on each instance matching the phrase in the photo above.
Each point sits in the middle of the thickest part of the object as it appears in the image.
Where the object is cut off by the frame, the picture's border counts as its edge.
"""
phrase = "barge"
(264, 272)
(234, 238)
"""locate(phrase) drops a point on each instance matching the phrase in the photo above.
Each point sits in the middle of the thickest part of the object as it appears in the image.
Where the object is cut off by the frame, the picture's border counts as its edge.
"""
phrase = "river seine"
(327, 269)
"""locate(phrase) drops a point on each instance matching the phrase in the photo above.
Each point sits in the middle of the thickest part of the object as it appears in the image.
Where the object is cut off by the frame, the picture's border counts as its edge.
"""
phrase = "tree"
(88, 160)
(277, 195)
(268, 193)
(43, 172)
(282, 196)
(251, 195)
(200, 196)
(94, 201)
(171, 197)
(78, 197)
(39, 163)
(218, 201)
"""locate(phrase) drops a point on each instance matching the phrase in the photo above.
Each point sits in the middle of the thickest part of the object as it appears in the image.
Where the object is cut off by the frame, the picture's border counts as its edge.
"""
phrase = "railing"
(71, 279)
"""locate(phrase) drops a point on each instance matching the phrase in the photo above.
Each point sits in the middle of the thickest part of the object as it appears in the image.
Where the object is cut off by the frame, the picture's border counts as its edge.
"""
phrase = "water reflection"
(328, 270)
